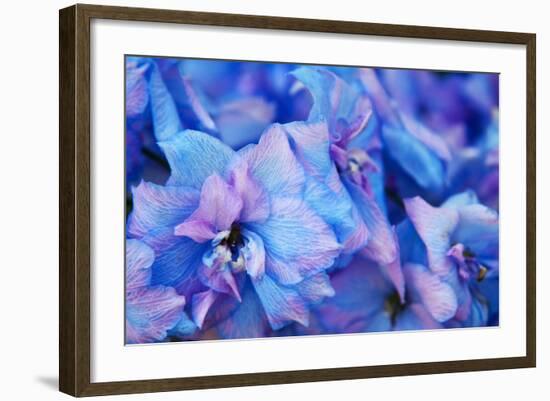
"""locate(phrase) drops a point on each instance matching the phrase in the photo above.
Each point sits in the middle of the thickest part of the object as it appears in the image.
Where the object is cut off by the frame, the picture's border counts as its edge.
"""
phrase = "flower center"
(468, 264)
(227, 250)
(353, 161)
(234, 241)
(393, 306)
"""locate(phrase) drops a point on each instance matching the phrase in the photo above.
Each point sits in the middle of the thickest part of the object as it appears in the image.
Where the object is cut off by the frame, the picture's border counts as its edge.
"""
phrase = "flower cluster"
(276, 200)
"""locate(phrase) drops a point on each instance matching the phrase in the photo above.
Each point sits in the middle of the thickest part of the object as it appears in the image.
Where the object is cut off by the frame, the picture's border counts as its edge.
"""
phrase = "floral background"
(280, 200)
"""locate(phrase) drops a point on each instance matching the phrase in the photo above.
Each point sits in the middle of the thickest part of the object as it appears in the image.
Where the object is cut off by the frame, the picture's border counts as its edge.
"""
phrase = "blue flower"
(151, 311)
(338, 147)
(458, 242)
(366, 301)
(414, 148)
(234, 229)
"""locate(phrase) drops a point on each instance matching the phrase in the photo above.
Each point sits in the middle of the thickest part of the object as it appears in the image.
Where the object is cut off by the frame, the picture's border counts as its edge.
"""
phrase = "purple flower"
(151, 311)
(458, 241)
(418, 151)
(463, 109)
(233, 229)
(335, 147)
(366, 301)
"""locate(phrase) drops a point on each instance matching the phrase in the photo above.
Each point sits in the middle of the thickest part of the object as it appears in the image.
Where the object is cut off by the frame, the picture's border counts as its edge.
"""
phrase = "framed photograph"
(250, 200)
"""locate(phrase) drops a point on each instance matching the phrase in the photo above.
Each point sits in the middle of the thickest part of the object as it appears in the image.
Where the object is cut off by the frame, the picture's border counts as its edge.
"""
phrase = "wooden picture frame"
(74, 199)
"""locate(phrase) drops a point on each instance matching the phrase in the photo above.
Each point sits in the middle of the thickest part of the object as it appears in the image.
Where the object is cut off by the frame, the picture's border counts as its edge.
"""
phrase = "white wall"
(28, 202)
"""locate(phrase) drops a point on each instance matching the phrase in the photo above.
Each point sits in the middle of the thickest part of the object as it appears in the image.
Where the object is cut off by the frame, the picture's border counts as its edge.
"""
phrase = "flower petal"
(139, 258)
(196, 105)
(202, 302)
(411, 247)
(194, 156)
(273, 163)
(151, 312)
(435, 227)
(358, 304)
(415, 317)
(184, 328)
(297, 241)
(434, 142)
(394, 272)
(177, 260)
(220, 279)
(198, 230)
(323, 86)
(220, 206)
(478, 230)
(338, 210)
(436, 296)
(166, 121)
(382, 246)
(380, 98)
(415, 158)
(137, 96)
(242, 121)
(464, 300)
(311, 143)
(315, 289)
(254, 254)
(479, 314)
(248, 320)
(254, 197)
(461, 199)
(332, 97)
(282, 305)
(157, 206)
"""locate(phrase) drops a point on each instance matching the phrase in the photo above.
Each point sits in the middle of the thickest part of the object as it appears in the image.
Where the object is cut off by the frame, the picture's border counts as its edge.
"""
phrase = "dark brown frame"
(74, 199)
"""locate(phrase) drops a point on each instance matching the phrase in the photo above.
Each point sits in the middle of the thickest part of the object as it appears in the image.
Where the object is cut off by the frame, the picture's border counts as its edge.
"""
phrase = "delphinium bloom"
(151, 311)
(458, 242)
(337, 146)
(233, 232)
(463, 109)
(417, 156)
(143, 123)
(366, 301)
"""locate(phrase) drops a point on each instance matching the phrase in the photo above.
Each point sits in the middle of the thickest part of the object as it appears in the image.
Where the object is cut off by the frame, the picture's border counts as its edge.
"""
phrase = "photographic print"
(273, 199)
